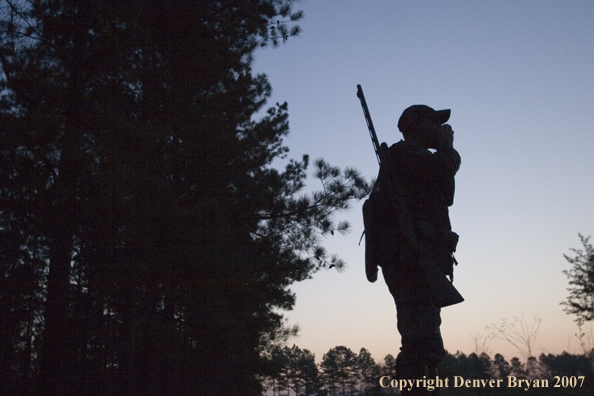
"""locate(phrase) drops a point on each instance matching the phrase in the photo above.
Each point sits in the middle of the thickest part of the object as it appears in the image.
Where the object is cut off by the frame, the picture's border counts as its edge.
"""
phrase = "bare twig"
(519, 334)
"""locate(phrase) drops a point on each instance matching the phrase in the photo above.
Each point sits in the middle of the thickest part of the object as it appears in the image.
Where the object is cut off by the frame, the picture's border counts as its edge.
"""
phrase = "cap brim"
(441, 115)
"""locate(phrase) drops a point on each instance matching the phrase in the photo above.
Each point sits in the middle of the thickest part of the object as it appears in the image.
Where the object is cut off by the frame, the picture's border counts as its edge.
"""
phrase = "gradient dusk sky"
(519, 78)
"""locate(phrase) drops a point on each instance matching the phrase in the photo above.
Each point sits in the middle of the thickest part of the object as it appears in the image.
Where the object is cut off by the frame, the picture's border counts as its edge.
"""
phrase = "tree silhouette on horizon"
(580, 301)
(339, 376)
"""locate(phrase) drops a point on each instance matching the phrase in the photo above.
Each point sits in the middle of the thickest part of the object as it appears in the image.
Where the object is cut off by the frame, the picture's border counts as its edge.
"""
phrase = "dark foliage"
(580, 301)
(146, 242)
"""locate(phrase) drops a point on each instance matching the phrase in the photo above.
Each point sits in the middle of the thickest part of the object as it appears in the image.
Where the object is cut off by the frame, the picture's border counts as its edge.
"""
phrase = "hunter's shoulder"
(409, 147)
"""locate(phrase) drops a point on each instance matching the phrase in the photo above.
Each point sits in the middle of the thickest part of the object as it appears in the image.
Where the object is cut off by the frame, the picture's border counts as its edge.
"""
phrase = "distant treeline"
(344, 372)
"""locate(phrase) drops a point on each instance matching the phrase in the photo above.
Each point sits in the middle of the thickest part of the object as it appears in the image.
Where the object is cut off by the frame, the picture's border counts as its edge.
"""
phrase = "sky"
(519, 79)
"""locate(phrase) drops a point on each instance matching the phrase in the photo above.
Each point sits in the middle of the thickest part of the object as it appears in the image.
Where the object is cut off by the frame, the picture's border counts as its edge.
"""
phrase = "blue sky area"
(519, 78)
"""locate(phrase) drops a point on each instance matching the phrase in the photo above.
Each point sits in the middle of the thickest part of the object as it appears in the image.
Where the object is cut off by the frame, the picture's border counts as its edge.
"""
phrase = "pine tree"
(369, 371)
(339, 370)
(139, 196)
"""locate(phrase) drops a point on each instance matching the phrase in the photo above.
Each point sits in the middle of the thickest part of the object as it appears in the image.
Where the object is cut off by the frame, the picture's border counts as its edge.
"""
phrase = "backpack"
(379, 221)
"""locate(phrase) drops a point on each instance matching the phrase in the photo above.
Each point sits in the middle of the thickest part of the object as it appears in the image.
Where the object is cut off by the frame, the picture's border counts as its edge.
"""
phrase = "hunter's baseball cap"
(416, 113)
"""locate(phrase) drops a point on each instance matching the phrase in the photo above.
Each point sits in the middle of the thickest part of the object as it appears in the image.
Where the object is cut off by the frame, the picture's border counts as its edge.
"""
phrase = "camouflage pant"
(422, 345)
(418, 322)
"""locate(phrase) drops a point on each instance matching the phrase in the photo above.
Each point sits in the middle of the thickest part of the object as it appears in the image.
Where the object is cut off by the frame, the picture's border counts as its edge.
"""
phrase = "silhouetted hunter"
(408, 233)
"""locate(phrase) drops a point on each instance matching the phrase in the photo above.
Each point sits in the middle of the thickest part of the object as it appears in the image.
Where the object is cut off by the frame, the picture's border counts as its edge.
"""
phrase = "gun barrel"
(374, 140)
